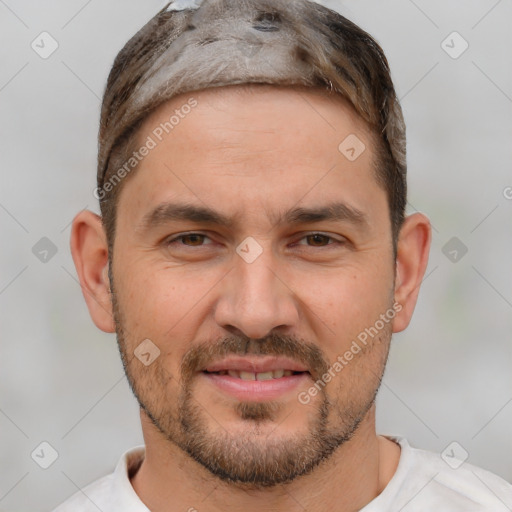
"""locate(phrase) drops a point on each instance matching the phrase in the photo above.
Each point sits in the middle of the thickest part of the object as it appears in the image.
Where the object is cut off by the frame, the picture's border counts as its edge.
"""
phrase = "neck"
(358, 471)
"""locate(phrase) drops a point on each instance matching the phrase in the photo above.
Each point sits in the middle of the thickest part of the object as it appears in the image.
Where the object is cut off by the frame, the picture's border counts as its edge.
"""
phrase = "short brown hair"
(229, 42)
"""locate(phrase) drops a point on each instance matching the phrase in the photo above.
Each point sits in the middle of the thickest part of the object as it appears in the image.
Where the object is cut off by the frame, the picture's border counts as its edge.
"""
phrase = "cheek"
(159, 302)
(343, 303)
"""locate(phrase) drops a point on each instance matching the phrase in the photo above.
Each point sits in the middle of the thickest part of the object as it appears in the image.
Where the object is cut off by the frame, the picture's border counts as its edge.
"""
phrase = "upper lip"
(256, 365)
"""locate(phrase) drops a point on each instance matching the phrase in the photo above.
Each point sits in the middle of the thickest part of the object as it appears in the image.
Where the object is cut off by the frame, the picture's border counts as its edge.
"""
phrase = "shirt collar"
(123, 494)
(125, 497)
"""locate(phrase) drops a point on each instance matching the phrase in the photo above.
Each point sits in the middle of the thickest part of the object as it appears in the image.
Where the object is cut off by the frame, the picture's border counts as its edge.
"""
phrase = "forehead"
(264, 105)
(251, 123)
(257, 143)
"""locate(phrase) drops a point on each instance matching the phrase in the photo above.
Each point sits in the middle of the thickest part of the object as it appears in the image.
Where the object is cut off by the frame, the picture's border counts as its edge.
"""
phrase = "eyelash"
(174, 241)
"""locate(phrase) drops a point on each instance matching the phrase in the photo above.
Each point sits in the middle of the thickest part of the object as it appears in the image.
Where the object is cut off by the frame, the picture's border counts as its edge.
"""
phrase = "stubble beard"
(249, 458)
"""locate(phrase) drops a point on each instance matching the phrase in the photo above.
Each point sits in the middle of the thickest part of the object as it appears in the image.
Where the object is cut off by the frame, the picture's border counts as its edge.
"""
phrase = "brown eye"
(318, 240)
(188, 240)
(194, 239)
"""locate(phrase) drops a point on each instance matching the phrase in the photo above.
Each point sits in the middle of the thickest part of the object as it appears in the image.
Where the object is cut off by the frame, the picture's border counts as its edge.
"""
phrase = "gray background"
(449, 377)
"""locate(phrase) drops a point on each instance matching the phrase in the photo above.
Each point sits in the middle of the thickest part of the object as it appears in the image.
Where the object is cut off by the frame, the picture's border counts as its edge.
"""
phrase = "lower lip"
(255, 390)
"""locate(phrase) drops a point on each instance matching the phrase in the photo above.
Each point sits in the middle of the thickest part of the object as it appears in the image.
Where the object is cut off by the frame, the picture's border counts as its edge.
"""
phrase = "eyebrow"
(172, 211)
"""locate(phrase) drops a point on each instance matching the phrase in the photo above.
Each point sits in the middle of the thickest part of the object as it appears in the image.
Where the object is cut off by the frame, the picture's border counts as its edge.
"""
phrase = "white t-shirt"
(423, 482)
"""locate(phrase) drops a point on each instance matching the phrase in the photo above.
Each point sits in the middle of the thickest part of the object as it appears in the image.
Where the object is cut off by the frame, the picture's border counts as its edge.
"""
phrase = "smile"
(256, 378)
(269, 375)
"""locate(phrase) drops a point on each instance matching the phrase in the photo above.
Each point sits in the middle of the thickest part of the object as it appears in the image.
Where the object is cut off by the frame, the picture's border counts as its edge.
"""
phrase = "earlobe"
(411, 264)
(89, 249)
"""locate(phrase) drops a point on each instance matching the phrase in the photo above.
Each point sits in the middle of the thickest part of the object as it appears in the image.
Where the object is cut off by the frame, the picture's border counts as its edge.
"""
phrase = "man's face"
(275, 289)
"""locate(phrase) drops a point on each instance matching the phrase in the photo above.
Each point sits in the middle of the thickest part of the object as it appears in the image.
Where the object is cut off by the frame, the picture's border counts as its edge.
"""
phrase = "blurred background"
(449, 377)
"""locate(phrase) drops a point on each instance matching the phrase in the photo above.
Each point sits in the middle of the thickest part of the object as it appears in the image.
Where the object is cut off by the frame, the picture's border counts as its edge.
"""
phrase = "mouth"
(261, 376)
(256, 379)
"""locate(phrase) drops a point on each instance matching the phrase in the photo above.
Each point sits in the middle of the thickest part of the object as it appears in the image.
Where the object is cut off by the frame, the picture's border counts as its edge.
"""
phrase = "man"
(254, 259)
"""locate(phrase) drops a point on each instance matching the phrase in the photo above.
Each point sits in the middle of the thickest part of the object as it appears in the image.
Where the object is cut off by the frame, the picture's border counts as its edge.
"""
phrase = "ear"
(89, 249)
(411, 262)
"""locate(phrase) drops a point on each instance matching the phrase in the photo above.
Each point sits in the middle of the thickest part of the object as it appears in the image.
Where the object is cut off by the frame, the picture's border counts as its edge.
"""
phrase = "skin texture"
(252, 154)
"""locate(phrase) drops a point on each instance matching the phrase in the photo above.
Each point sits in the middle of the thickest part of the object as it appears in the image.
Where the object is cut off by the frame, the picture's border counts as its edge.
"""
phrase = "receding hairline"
(224, 94)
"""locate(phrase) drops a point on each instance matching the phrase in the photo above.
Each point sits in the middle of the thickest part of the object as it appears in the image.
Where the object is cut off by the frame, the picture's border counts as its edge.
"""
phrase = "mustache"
(200, 356)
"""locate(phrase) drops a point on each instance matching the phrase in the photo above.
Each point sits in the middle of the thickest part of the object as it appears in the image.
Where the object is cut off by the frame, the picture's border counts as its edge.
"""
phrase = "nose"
(256, 298)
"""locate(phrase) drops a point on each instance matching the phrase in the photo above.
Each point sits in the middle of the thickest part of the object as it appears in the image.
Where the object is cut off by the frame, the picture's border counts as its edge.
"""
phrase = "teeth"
(276, 374)
(247, 376)
(264, 376)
